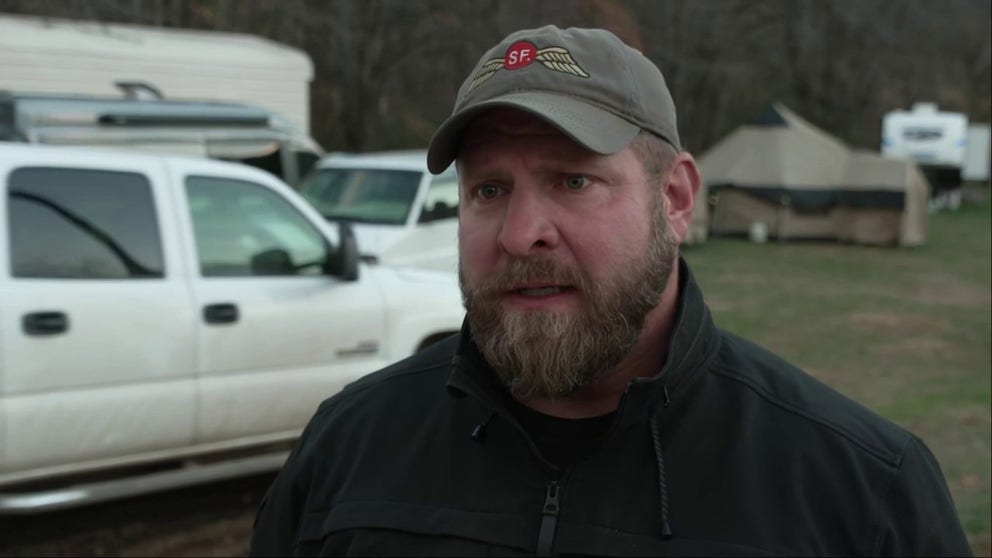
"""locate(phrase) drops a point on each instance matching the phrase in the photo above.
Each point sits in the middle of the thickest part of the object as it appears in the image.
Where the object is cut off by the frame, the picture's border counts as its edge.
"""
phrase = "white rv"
(976, 163)
(226, 96)
(936, 140)
(219, 130)
(47, 55)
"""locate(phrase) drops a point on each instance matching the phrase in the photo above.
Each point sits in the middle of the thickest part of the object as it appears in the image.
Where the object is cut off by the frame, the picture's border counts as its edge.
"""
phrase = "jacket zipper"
(549, 519)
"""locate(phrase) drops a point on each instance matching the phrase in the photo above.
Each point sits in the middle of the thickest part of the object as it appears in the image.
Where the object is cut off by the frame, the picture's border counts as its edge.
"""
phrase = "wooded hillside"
(387, 70)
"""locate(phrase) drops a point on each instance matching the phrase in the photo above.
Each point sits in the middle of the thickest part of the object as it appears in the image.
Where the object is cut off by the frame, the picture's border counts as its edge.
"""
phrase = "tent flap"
(820, 200)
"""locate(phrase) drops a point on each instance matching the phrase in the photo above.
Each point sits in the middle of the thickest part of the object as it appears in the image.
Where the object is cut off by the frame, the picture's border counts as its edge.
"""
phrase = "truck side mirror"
(343, 262)
(273, 262)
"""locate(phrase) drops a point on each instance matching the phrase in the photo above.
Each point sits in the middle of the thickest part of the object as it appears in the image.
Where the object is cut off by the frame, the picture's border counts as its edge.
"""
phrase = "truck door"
(276, 335)
(96, 323)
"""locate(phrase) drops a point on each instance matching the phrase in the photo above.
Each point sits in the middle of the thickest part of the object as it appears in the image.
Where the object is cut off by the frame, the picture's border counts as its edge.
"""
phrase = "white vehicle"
(75, 57)
(402, 215)
(179, 314)
(220, 130)
(976, 159)
(936, 140)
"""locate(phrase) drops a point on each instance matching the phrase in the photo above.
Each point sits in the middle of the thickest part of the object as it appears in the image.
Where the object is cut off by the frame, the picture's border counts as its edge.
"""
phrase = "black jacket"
(727, 451)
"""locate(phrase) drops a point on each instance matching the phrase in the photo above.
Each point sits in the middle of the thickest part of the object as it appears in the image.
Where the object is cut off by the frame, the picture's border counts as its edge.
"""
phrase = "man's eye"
(576, 182)
(488, 191)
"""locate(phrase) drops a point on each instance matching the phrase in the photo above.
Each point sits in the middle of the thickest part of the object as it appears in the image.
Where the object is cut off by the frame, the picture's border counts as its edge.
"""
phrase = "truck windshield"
(380, 196)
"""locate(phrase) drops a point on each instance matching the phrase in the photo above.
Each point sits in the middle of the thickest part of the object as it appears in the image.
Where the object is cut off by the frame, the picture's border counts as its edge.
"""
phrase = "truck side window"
(381, 196)
(441, 201)
(245, 229)
(82, 224)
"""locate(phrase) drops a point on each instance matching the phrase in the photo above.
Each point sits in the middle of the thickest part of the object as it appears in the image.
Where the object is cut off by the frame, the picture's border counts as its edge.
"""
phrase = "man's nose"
(528, 227)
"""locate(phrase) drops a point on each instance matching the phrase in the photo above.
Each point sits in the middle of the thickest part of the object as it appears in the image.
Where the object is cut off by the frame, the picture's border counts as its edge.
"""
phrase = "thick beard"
(553, 354)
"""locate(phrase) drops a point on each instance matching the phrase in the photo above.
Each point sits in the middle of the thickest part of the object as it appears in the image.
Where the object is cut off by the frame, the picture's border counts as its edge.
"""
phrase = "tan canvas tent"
(699, 226)
(795, 181)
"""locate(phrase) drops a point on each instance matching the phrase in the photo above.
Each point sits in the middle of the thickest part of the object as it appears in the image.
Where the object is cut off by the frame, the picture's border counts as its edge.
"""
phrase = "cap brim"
(597, 129)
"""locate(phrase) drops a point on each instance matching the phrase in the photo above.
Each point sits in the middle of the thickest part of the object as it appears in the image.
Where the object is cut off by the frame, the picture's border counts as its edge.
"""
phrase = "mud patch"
(207, 520)
(920, 347)
(949, 290)
(742, 279)
(825, 375)
(970, 417)
(971, 482)
(904, 323)
(719, 304)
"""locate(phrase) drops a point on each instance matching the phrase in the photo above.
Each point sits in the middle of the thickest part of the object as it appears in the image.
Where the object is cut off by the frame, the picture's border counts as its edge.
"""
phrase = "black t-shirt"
(563, 441)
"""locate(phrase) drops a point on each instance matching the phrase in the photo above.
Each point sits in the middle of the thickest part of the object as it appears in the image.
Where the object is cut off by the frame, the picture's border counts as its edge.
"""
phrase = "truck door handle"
(45, 323)
(222, 313)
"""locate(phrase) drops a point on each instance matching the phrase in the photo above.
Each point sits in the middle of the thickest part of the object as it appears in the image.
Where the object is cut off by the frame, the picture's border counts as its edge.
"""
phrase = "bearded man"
(590, 405)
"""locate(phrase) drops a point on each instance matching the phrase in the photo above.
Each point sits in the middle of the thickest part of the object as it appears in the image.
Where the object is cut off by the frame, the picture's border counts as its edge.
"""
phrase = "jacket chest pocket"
(380, 528)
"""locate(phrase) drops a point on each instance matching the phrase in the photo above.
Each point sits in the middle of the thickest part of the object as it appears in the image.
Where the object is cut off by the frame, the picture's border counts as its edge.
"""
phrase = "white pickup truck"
(166, 321)
(401, 214)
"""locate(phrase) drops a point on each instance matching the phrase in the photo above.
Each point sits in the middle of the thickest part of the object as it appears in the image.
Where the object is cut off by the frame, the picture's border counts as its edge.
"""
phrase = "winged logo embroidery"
(485, 72)
(554, 58)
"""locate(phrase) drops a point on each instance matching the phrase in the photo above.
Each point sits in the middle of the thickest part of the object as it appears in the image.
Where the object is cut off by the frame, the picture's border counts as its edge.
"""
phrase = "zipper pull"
(549, 520)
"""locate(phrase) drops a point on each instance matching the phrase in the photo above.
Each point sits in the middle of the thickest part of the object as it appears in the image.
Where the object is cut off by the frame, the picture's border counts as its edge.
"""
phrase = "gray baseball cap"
(585, 82)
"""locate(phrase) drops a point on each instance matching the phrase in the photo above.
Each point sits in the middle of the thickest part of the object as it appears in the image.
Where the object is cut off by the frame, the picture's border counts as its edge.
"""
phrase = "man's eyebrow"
(479, 171)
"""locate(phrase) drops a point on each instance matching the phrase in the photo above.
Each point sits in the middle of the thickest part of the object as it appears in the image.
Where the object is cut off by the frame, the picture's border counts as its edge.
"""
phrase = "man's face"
(563, 252)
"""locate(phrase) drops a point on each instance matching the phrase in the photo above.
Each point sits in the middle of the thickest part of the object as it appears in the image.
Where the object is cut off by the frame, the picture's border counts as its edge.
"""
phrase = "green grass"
(905, 331)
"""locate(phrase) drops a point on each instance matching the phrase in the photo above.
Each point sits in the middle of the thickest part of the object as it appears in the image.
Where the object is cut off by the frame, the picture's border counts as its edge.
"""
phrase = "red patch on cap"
(520, 54)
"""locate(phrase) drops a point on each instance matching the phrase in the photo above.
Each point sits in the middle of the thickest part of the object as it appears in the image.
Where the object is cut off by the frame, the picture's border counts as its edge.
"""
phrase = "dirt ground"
(209, 520)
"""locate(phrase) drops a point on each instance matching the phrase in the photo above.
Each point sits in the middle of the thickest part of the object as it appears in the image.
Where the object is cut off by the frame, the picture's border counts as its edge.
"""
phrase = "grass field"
(905, 331)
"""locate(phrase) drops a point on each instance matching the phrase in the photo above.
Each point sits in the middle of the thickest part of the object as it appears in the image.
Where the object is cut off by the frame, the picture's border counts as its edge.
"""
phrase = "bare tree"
(387, 71)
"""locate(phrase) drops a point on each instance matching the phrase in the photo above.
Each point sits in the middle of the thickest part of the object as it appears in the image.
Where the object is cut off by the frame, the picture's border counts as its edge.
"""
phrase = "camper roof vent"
(139, 91)
(925, 107)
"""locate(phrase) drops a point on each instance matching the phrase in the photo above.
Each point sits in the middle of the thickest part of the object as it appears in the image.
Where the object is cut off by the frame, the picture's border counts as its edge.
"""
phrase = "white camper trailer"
(936, 140)
(221, 95)
(45, 55)
(976, 163)
(219, 130)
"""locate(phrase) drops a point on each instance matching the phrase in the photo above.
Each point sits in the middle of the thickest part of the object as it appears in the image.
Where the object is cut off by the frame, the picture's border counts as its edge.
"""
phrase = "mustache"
(518, 272)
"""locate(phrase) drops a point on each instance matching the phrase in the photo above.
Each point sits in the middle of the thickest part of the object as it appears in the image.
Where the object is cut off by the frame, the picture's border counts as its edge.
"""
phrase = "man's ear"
(681, 186)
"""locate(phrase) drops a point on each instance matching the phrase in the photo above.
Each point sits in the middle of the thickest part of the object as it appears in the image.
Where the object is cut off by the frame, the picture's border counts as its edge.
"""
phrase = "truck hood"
(429, 246)
(373, 239)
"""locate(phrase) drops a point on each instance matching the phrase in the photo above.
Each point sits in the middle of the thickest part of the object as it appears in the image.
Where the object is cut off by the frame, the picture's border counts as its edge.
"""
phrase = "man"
(589, 405)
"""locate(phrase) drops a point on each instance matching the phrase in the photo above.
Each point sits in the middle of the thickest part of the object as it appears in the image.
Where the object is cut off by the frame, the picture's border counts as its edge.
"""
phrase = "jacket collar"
(693, 343)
